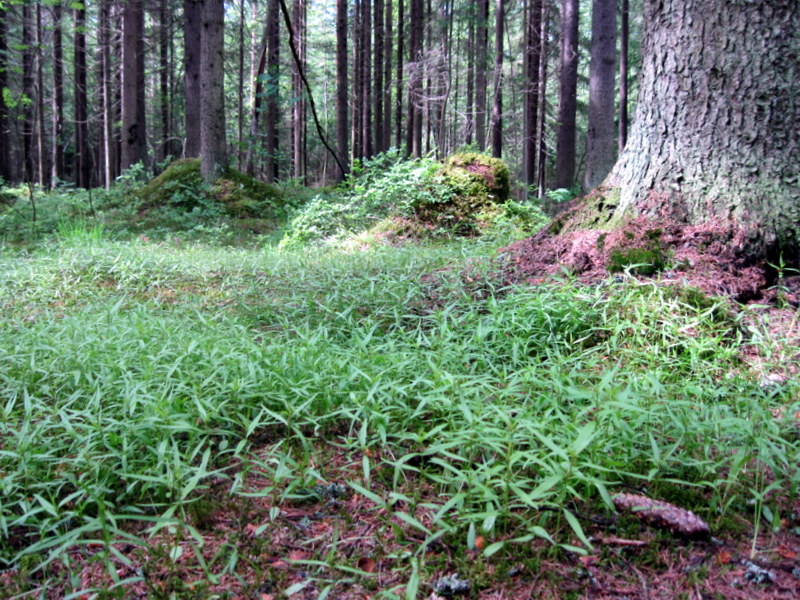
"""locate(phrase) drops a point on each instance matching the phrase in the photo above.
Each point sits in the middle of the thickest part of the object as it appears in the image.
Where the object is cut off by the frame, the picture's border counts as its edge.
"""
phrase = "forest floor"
(690, 398)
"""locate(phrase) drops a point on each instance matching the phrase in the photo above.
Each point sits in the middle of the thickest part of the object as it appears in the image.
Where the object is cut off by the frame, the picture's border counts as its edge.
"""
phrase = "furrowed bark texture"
(715, 136)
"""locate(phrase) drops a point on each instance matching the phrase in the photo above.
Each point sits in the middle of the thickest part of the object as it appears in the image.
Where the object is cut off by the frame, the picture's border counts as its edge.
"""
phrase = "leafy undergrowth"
(192, 421)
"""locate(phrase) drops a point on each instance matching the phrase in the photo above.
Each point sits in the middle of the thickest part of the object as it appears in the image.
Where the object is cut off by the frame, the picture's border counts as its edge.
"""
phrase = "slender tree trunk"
(57, 159)
(470, 109)
(133, 127)
(601, 148)
(43, 173)
(29, 93)
(398, 119)
(567, 96)
(358, 80)
(192, 40)
(299, 119)
(82, 153)
(541, 153)
(380, 41)
(213, 149)
(163, 78)
(341, 85)
(273, 86)
(415, 100)
(258, 96)
(623, 78)
(240, 92)
(481, 55)
(104, 42)
(5, 158)
(497, 107)
(533, 46)
(367, 74)
(387, 77)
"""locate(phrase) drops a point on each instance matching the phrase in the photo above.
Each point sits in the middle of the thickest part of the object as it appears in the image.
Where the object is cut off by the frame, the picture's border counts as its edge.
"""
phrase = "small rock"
(450, 586)
(756, 574)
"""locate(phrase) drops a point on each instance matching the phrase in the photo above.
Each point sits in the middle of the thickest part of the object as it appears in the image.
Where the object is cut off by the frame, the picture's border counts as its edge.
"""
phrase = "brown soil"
(707, 257)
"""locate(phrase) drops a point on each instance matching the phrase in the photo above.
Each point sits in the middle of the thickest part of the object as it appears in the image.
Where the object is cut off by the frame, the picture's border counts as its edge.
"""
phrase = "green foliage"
(645, 257)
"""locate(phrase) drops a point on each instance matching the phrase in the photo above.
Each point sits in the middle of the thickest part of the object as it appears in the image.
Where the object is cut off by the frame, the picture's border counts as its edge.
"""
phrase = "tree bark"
(272, 93)
(387, 76)
(342, 87)
(240, 92)
(298, 92)
(532, 53)
(567, 95)
(192, 43)
(213, 149)
(600, 142)
(82, 153)
(134, 148)
(42, 172)
(497, 106)
(57, 159)
(163, 78)
(715, 133)
(398, 116)
(366, 74)
(29, 93)
(481, 54)
(5, 166)
(377, 95)
(623, 76)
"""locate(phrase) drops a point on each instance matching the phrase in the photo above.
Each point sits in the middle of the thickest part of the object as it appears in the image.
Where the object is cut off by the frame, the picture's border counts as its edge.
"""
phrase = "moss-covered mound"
(181, 187)
(475, 184)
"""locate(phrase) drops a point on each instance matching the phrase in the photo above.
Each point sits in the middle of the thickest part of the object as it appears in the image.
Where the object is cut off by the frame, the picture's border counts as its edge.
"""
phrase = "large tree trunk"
(273, 87)
(481, 53)
(342, 87)
(57, 161)
(567, 95)
(134, 148)
(715, 134)
(601, 150)
(192, 42)
(213, 150)
(497, 107)
(82, 154)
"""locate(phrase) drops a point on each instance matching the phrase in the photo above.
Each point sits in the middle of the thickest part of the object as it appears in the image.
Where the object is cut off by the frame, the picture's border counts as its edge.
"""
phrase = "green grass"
(133, 374)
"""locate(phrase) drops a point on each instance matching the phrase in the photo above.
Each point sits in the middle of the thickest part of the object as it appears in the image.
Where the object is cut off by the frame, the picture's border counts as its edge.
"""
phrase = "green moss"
(181, 186)
(640, 260)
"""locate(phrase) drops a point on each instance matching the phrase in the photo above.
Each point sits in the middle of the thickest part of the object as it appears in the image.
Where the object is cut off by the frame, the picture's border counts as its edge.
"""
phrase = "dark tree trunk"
(481, 55)
(567, 96)
(5, 166)
(104, 41)
(541, 153)
(387, 76)
(497, 106)
(470, 109)
(42, 172)
(414, 131)
(273, 96)
(299, 119)
(213, 149)
(366, 74)
(163, 78)
(601, 148)
(28, 91)
(380, 41)
(82, 153)
(623, 77)
(715, 133)
(134, 148)
(532, 53)
(240, 92)
(341, 84)
(192, 40)
(398, 115)
(358, 79)
(57, 159)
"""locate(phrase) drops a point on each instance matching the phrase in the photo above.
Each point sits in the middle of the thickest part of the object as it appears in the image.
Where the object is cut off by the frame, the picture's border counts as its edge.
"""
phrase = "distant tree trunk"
(240, 91)
(387, 78)
(341, 84)
(192, 40)
(134, 148)
(213, 149)
(600, 142)
(104, 42)
(163, 77)
(533, 44)
(29, 93)
(623, 78)
(541, 154)
(470, 109)
(57, 159)
(398, 115)
(567, 96)
(273, 86)
(414, 132)
(299, 119)
(258, 96)
(82, 153)
(497, 107)
(5, 158)
(358, 80)
(380, 41)
(481, 55)
(43, 173)
(367, 74)
(720, 145)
